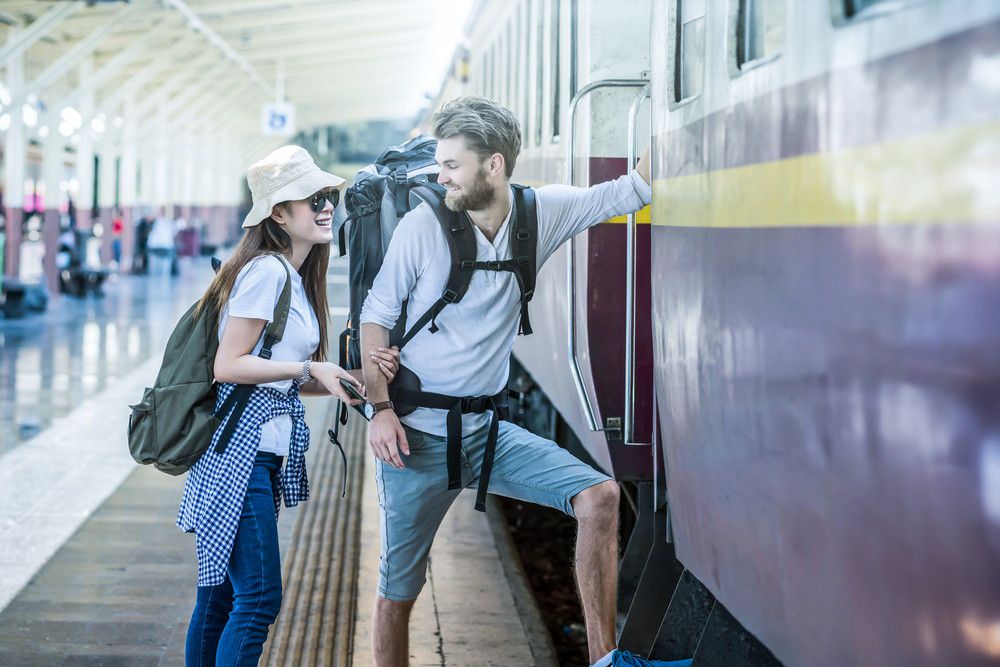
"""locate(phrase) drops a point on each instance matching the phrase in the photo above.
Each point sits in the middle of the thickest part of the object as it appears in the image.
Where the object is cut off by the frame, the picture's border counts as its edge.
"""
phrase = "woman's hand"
(329, 375)
(387, 359)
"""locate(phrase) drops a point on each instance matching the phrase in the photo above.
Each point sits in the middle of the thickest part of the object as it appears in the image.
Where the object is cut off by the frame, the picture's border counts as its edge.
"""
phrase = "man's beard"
(477, 197)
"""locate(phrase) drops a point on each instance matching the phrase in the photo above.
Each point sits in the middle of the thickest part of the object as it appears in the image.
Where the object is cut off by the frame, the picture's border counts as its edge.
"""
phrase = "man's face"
(471, 185)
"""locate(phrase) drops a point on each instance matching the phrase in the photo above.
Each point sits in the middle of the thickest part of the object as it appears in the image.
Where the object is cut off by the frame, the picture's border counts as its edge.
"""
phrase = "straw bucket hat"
(287, 174)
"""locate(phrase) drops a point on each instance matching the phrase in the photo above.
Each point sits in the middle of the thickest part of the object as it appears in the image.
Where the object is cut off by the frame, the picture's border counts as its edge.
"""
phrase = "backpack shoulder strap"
(461, 247)
(524, 248)
(276, 328)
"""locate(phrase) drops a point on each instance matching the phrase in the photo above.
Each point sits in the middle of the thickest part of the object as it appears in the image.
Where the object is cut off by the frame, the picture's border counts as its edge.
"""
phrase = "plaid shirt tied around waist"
(217, 483)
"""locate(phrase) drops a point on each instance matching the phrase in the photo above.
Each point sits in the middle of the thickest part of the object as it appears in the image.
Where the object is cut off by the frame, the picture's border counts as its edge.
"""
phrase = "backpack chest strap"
(519, 267)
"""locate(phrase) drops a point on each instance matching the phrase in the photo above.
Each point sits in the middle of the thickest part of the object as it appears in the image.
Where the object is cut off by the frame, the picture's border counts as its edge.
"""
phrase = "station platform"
(96, 573)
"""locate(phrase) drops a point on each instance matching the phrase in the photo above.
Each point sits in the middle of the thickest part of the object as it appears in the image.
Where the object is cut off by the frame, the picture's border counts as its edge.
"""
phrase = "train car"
(826, 320)
(792, 362)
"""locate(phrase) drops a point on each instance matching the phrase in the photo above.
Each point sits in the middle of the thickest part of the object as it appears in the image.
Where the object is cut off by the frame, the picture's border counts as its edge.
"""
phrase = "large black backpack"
(400, 179)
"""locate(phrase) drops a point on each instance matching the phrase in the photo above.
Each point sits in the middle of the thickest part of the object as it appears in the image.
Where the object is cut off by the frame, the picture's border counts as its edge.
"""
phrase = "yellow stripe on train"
(642, 217)
(944, 177)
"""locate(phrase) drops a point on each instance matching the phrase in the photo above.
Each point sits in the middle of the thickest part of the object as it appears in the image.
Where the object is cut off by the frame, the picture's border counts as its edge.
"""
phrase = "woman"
(231, 499)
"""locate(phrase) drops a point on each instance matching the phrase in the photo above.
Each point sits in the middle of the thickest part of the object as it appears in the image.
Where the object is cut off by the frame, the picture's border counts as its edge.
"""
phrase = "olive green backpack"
(174, 423)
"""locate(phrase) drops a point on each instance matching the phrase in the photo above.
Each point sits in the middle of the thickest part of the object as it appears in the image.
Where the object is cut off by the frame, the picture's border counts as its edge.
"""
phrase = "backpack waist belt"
(456, 407)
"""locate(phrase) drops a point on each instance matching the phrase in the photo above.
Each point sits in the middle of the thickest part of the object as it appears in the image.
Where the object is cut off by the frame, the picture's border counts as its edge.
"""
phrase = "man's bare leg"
(391, 632)
(596, 510)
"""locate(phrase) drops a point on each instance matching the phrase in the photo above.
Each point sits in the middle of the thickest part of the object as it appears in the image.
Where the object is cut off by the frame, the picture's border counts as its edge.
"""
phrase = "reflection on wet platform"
(79, 347)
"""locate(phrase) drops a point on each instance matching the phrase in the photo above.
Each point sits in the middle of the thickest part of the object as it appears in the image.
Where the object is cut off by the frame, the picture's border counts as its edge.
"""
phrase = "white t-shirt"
(254, 296)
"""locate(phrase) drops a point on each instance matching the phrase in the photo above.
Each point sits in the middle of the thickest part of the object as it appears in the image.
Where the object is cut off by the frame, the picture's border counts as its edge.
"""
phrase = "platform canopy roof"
(335, 60)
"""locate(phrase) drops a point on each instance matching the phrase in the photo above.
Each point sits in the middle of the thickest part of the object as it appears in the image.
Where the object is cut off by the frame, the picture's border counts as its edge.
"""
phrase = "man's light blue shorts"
(414, 500)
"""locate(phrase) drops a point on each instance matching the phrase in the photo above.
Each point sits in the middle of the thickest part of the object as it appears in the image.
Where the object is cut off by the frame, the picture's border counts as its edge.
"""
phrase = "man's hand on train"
(387, 438)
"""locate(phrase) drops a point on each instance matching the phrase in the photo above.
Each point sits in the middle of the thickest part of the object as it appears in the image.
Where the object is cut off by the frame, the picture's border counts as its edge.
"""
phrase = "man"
(468, 355)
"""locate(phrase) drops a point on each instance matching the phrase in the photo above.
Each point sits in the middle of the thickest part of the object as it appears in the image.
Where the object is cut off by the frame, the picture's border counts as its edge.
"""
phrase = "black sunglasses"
(318, 200)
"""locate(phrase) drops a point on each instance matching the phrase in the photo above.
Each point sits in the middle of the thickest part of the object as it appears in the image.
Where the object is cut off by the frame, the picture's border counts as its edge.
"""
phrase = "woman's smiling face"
(303, 224)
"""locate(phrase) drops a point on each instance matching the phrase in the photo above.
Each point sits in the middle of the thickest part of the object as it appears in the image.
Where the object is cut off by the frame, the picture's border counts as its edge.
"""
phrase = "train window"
(493, 72)
(517, 82)
(525, 72)
(555, 23)
(760, 30)
(484, 77)
(502, 68)
(508, 76)
(539, 68)
(854, 7)
(484, 80)
(573, 19)
(689, 49)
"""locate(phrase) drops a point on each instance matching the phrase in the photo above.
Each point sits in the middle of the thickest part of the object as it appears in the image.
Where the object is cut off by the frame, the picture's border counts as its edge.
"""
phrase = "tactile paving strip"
(316, 623)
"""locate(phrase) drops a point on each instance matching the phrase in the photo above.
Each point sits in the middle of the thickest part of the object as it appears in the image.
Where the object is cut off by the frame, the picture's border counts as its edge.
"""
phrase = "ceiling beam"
(374, 48)
(77, 52)
(404, 49)
(22, 40)
(137, 79)
(106, 72)
(335, 14)
(177, 80)
(136, 86)
(218, 42)
(356, 31)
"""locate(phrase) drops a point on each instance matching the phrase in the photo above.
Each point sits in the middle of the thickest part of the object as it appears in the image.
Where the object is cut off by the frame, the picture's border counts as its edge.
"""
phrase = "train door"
(608, 271)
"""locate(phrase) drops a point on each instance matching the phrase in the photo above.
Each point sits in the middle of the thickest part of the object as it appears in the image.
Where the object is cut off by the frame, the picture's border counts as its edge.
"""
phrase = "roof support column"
(128, 182)
(107, 182)
(161, 165)
(127, 191)
(85, 156)
(14, 152)
(147, 174)
(182, 173)
(53, 166)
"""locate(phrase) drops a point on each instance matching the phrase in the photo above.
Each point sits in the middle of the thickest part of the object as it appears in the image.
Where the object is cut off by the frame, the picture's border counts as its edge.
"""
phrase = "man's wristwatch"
(382, 405)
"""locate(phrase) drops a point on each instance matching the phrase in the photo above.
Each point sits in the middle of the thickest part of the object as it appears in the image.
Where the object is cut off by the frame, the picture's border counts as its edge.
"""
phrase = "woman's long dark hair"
(268, 238)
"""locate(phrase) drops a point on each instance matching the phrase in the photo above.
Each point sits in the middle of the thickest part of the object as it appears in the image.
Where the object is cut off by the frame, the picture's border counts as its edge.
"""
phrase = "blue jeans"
(230, 621)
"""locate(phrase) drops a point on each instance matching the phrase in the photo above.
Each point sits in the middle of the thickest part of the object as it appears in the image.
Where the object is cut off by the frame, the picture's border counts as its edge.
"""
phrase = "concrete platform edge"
(52, 483)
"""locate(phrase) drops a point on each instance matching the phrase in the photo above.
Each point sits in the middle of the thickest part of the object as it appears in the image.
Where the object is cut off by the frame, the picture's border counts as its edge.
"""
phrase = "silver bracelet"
(306, 375)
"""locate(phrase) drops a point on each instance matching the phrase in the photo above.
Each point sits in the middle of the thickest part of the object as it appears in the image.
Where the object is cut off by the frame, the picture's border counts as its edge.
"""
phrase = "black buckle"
(523, 235)
(467, 265)
(476, 404)
(450, 296)
(528, 294)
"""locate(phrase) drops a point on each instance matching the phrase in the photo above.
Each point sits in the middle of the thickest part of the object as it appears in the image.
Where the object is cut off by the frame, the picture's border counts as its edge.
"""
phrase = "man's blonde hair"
(488, 128)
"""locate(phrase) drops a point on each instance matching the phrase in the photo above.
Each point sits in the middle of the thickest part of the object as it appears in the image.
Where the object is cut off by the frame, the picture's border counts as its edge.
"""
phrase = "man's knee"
(597, 504)
(393, 610)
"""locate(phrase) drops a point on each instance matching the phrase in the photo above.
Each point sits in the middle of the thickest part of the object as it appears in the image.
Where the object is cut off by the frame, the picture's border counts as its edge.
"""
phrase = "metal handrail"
(574, 363)
(628, 421)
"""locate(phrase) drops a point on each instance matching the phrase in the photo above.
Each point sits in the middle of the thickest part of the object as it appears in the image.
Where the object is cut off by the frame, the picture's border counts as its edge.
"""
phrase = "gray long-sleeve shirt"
(469, 354)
